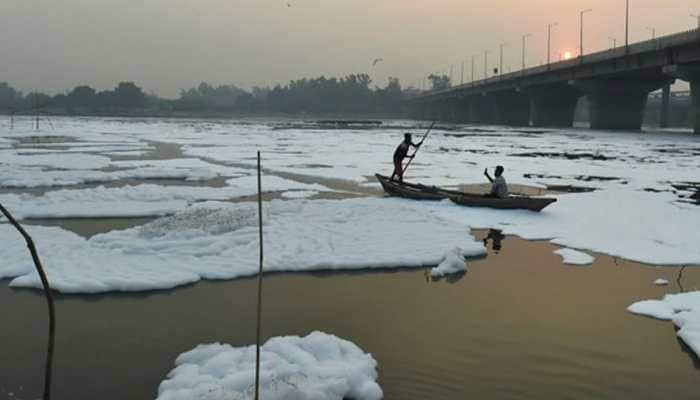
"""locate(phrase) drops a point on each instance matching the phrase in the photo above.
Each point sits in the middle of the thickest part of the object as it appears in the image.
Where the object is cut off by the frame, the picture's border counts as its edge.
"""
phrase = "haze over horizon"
(167, 45)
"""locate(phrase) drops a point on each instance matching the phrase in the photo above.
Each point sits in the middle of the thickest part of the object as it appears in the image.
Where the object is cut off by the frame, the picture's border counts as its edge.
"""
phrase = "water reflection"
(505, 344)
(496, 237)
(451, 278)
(679, 279)
(687, 350)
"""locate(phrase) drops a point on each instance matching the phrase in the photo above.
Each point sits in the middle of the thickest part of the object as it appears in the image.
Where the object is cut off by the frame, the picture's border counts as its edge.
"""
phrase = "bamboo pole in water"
(408, 164)
(260, 283)
(47, 294)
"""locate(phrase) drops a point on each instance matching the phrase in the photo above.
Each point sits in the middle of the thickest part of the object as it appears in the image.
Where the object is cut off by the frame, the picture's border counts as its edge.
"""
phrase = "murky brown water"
(519, 325)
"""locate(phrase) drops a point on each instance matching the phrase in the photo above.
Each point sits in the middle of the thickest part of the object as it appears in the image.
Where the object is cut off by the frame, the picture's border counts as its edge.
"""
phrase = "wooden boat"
(414, 191)
(423, 192)
(536, 204)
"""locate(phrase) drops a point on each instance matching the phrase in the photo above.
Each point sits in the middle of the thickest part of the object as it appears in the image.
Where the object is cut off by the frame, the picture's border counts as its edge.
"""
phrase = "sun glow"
(568, 55)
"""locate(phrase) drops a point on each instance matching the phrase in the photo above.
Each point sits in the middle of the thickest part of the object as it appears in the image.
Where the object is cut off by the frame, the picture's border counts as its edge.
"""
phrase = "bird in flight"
(377, 61)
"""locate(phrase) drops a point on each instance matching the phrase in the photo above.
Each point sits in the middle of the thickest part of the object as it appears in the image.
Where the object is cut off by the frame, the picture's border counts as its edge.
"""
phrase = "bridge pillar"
(455, 110)
(463, 113)
(448, 110)
(689, 73)
(665, 106)
(432, 110)
(414, 110)
(512, 107)
(553, 106)
(616, 103)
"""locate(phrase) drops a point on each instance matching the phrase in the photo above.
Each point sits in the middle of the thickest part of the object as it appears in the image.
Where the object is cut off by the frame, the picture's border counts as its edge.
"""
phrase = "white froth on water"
(136, 201)
(65, 161)
(623, 223)
(318, 366)
(219, 241)
(683, 309)
(454, 263)
(574, 257)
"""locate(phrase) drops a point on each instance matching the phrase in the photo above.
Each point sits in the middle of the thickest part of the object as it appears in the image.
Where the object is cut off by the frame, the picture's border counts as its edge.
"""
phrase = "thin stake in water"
(47, 294)
(260, 282)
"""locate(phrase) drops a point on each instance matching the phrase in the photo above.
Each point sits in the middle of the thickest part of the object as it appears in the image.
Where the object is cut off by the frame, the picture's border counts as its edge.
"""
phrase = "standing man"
(401, 153)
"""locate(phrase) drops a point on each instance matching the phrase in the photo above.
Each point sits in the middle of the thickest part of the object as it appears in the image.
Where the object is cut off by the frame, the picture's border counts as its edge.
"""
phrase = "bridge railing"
(603, 55)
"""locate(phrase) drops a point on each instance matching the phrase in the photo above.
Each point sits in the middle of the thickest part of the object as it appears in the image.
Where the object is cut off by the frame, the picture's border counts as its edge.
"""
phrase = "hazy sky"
(166, 45)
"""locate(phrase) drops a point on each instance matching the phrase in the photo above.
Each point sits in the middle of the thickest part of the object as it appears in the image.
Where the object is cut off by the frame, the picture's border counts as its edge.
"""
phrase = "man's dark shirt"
(401, 151)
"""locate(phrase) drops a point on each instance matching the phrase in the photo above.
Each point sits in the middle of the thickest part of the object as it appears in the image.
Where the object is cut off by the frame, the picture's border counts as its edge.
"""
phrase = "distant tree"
(82, 96)
(60, 101)
(440, 82)
(36, 101)
(128, 95)
(208, 97)
(350, 94)
(389, 98)
(9, 96)
(260, 93)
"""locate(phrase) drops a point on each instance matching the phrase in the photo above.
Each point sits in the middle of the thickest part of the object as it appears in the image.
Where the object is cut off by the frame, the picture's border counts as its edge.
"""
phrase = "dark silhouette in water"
(496, 238)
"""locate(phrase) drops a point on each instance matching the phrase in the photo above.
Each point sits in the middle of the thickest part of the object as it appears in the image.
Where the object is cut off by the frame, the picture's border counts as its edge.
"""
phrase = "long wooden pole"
(260, 283)
(416, 152)
(47, 294)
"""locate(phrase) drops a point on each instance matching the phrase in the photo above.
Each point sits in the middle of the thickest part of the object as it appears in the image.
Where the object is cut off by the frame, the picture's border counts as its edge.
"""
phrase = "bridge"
(616, 82)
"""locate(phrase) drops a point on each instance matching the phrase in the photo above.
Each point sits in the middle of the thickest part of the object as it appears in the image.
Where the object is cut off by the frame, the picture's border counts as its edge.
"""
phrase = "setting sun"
(567, 55)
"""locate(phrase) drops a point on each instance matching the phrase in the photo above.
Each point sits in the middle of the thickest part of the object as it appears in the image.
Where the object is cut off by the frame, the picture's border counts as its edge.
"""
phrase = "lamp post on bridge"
(549, 42)
(614, 42)
(473, 61)
(524, 38)
(653, 32)
(627, 25)
(500, 65)
(580, 54)
(486, 63)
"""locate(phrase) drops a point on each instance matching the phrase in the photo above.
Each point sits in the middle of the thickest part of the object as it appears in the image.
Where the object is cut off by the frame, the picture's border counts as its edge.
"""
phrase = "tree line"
(352, 94)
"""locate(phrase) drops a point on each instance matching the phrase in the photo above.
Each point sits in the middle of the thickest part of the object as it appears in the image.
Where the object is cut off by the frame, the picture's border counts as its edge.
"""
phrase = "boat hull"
(422, 192)
(511, 203)
(413, 191)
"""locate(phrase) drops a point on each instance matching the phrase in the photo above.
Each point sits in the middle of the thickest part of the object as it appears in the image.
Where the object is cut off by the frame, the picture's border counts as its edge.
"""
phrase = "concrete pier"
(618, 103)
(689, 73)
(553, 106)
(512, 107)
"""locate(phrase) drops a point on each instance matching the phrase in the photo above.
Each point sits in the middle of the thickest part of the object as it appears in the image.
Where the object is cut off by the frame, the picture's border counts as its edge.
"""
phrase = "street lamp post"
(652, 31)
(473, 61)
(549, 42)
(500, 65)
(524, 38)
(696, 17)
(486, 64)
(582, 14)
(614, 41)
(627, 23)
